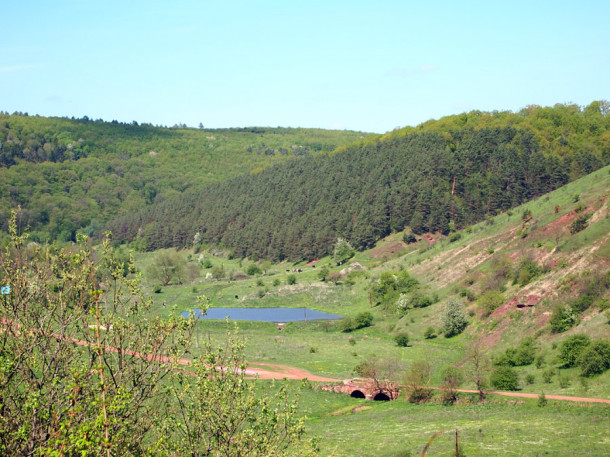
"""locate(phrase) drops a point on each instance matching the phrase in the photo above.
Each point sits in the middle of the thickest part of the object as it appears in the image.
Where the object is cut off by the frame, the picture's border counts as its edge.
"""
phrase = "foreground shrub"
(94, 399)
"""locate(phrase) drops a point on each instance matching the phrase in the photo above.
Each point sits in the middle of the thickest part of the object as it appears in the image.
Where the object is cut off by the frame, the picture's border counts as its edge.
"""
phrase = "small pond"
(264, 314)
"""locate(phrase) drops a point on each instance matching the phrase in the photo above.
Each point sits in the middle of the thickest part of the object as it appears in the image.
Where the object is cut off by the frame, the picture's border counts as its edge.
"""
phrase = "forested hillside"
(441, 175)
(74, 174)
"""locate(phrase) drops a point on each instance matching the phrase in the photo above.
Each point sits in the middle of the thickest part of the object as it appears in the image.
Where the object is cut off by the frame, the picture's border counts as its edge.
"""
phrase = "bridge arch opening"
(357, 394)
(380, 396)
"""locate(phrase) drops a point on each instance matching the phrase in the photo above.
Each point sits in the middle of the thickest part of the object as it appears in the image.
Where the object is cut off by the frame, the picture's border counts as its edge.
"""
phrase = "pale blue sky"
(358, 65)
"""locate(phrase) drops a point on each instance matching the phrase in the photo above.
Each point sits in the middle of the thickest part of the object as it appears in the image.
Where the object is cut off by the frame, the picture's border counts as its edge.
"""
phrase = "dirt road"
(276, 371)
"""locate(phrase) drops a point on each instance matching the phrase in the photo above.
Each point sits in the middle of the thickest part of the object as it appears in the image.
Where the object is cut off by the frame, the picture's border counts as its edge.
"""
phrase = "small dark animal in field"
(236, 297)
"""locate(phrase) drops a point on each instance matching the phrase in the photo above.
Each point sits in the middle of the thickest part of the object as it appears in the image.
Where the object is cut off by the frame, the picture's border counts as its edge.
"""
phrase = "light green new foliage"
(69, 383)
(85, 368)
(453, 319)
(168, 268)
(224, 414)
(343, 251)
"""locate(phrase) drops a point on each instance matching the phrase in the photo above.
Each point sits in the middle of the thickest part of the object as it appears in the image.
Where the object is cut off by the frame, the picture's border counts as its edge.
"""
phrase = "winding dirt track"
(548, 397)
(275, 371)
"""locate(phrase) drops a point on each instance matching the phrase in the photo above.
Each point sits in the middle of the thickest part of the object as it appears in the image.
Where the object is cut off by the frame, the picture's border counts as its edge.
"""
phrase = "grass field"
(498, 427)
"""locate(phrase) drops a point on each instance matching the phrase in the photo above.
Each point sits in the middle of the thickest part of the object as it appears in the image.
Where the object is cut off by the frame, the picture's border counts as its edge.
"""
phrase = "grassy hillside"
(433, 179)
(464, 265)
(74, 174)
(464, 269)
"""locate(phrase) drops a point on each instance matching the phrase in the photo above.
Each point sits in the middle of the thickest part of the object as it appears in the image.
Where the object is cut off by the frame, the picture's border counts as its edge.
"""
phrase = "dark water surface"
(264, 314)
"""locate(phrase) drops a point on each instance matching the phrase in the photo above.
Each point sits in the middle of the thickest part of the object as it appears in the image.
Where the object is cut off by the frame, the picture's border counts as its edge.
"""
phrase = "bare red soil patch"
(387, 250)
(429, 238)
(560, 224)
(517, 302)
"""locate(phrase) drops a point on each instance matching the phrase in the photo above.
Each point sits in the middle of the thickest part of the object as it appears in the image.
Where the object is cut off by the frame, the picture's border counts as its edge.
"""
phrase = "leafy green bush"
(343, 251)
(417, 379)
(547, 375)
(562, 319)
(522, 355)
(571, 349)
(595, 359)
(323, 273)
(430, 333)
(253, 269)
(580, 223)
(467, 293)
(542, 401)
(455, 237)
(364, 319)
(291, 279)
(489, 301)
(422, 301)
(582, 303)
(526, 353)
(391, 284)
(451, 379)
(402, 339)
(409, 237)
(402, 304)
(453, 319)
(218, 272)
(526, 271)
(347, 325)
(505, 378)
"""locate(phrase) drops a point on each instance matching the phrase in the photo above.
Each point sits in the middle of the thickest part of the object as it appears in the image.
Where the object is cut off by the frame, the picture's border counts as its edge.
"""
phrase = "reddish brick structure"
(366, 388)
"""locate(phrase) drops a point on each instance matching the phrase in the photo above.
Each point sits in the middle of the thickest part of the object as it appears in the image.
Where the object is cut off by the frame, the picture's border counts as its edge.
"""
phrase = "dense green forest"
(72, 175)
(437, 177)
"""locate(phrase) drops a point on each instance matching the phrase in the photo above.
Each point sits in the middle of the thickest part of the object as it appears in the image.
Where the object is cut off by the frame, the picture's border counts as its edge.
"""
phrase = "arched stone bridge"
(366, 388)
